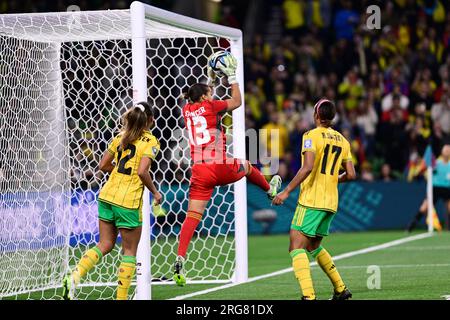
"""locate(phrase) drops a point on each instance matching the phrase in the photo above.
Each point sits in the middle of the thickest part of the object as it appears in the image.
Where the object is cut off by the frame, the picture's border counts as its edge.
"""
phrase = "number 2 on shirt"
(124, 160)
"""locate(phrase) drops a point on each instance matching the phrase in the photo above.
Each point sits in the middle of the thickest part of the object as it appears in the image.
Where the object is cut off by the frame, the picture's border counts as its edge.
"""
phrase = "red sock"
(257, 178)
(187, 231)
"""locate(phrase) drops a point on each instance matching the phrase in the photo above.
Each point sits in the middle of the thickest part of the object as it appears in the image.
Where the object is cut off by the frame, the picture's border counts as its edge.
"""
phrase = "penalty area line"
(283, 271)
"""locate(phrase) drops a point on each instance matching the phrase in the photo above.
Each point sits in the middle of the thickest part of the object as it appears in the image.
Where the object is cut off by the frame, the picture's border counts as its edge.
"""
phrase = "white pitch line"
(335, 258)
(388, 266)
(421, 248)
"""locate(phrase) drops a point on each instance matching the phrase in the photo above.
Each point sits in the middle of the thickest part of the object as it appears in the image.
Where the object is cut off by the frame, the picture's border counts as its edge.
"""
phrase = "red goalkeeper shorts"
(206, 176)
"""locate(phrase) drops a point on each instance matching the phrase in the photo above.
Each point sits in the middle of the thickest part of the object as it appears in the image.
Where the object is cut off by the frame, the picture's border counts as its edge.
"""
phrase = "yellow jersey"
(319, 190)
(277, 139)
(124, 188)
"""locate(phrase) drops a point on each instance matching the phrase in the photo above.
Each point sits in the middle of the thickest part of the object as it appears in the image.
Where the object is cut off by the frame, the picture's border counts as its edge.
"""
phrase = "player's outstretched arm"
(349, 174)
(144, 175)
(106, 164)
(230, 72)
(236, 99)
(301, 175)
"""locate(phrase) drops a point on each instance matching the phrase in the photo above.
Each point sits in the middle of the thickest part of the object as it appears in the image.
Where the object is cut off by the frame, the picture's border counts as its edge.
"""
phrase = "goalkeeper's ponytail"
(195, 92)
(186, 96)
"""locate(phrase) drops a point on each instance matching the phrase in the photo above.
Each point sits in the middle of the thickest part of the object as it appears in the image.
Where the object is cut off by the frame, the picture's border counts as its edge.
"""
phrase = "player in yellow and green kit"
(128, 161)
(324, 151)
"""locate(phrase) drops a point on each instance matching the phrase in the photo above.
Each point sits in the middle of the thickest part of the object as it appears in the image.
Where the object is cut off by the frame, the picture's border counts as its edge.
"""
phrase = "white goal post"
(139, 12)
(65, 79)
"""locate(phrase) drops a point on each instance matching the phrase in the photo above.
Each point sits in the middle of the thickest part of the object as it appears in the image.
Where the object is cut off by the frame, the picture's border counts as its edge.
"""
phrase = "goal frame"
(139, 13)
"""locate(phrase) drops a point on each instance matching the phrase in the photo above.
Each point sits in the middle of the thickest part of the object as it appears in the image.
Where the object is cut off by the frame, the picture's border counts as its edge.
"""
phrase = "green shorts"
(121, 217)
(312, 222)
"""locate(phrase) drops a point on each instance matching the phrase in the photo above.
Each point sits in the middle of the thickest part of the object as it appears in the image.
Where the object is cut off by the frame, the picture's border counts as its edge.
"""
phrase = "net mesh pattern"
(65, 81)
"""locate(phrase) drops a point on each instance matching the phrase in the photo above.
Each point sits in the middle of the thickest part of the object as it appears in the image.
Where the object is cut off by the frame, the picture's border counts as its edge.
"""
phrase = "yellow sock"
(324, 260)
(89, 260)
(126, 272)
(300, 263)
(436, 223)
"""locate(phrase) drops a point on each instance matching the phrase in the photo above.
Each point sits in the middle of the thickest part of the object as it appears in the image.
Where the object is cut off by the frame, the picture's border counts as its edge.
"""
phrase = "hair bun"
(140, 107)
(319, 103)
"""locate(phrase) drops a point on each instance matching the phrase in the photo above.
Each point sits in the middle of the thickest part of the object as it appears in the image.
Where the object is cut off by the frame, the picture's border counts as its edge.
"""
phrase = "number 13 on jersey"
(198, 130)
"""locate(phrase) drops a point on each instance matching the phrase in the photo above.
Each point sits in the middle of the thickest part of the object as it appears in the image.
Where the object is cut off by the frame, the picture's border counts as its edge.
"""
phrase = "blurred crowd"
(390, 85)
(27, 6)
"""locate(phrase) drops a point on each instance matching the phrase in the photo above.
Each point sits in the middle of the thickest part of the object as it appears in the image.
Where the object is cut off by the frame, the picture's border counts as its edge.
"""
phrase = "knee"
(312, 247)
(247, 167)
(105, 246)
(295, 246)
(424, 207)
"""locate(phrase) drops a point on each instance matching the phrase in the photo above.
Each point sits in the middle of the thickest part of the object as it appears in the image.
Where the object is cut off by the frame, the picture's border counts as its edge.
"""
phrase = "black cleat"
(344, 295)
(307, 298)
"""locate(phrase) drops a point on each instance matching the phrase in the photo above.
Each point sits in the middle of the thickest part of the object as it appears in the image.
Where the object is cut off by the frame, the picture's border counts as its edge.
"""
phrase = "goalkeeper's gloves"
(230, 69)
(211, 77)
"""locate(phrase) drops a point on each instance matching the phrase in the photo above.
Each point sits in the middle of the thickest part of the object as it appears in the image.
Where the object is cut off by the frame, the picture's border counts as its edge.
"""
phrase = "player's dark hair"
(326, 111)
(196, 91)
(135, 121)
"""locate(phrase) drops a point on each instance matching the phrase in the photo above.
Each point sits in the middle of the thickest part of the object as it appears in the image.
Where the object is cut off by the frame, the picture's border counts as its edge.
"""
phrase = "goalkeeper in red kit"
(211, 167)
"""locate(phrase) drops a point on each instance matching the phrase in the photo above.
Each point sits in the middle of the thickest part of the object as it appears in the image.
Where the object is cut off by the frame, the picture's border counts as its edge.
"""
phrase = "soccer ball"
(217, 61)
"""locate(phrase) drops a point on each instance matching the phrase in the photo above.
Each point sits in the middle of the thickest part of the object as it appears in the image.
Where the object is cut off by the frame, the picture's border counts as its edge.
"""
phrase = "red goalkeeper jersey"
(206, 136)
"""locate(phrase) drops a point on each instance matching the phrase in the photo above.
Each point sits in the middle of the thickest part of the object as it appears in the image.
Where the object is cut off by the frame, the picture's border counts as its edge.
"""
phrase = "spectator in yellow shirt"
(351, 89)
(276, 140)
(294, 17)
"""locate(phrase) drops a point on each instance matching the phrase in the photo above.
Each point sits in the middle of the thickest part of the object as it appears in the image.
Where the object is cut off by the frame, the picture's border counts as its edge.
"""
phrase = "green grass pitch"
(412, 270)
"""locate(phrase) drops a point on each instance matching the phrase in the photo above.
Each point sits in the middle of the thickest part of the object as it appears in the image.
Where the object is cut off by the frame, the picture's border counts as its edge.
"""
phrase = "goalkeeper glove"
(211, 77)
(211, 74)
(230, 69)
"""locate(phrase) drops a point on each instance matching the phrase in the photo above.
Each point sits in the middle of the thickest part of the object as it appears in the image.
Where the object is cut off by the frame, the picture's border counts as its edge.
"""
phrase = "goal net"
(65, 80)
